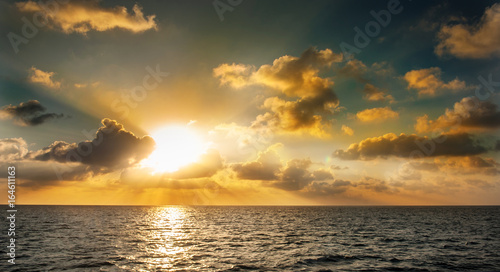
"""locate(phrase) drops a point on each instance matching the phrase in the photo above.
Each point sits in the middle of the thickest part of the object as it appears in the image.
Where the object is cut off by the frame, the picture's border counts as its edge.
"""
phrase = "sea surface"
(179, 238)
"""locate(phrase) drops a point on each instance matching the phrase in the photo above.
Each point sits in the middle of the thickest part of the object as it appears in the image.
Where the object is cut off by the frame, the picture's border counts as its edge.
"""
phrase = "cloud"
(469, 113)
(428, 82)
(44, 78)
(295, 175)
(347, 130)
(359, 71)
(356, 69)
(28, 113)
(407, 146)
(234, 75)
(468, 165)
(12, 149)
(112, 147)
(266, 167)
(35, 174)
(84, 16)
(300, 115)
(377, 114)
(294, 77)
(373, 93)
(478, 41)
(315, 188)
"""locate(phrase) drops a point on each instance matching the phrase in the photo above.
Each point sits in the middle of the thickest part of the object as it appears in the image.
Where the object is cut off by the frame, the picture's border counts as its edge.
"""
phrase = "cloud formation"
(428, 82)
(347, 130)
(359, 71)
(28, 113)
(112, 147)
(294, 77)
(44, 78)
(266, 167)
(84, 16)
(478, 41)
(373, 93)
(376, 114)
(469, 113)
(12, 149)
(468, 165)
(407, 146)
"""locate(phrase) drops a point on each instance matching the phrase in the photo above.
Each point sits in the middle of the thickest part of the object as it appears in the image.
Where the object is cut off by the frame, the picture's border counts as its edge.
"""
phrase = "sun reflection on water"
(167, 245)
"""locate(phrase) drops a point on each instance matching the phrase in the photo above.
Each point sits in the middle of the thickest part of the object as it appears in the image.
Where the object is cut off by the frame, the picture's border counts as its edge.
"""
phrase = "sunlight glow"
(176, 146)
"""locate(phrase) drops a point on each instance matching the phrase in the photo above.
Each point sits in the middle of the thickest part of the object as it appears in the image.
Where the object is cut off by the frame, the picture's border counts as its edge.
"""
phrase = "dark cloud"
(469, 113)
(373, 93)
(266, 167)
(112, 147)
(355, 69)
(413, 146)
(295, 175)
(374, 184)
(28, 113)
(469, 165)
(326, 188)
(38, 174)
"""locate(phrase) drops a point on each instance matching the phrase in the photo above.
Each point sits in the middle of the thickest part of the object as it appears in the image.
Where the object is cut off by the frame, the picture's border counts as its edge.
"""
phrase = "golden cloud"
(377, 114)
(295, 77)
(428, 82)
(478, 41)
(84, 16)
(44, 78)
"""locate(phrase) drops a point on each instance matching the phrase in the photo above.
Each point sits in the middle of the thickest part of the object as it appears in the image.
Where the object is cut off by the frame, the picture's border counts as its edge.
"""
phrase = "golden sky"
(251, 103)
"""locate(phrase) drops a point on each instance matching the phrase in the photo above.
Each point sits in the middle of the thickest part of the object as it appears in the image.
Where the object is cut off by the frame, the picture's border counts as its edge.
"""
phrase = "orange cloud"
(84, 16)
(428, 82)
(478, 41)
(377, 114)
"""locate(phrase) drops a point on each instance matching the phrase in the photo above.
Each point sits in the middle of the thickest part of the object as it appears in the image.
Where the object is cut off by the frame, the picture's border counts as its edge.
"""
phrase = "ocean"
(254, 238)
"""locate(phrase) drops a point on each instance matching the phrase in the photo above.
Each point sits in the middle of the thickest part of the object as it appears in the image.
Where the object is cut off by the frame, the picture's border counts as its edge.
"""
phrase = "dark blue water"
(176, 238)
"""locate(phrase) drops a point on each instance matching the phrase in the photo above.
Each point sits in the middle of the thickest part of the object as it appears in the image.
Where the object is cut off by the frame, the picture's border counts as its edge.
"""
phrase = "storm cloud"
(112, 147)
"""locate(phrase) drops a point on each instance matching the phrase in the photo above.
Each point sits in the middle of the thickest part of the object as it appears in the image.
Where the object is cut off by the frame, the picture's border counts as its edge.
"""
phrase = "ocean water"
(177, 238)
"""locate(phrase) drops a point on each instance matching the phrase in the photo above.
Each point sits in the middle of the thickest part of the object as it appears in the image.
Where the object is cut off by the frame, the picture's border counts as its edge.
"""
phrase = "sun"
(176, 146)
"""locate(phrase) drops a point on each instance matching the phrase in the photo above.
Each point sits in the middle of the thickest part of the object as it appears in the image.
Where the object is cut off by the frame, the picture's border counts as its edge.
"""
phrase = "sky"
(239, 102)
